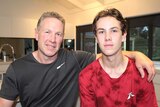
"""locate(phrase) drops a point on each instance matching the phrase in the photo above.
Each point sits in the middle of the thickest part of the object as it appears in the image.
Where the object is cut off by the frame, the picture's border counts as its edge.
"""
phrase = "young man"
(48, 77)
(113, 79)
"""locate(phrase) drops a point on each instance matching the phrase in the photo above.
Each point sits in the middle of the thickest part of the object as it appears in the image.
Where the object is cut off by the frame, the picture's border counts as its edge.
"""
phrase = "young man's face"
(50, 36)
(109, 35)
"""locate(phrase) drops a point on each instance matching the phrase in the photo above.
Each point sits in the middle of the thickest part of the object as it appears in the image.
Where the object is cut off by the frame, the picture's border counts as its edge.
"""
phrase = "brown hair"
(113, 13)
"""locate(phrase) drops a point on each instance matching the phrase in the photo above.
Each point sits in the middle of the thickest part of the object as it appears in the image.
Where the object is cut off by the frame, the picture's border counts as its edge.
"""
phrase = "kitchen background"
(18, 20)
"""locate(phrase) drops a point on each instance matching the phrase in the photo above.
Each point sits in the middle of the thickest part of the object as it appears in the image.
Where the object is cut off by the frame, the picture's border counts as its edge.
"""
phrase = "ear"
(124, 37)
(36, 34)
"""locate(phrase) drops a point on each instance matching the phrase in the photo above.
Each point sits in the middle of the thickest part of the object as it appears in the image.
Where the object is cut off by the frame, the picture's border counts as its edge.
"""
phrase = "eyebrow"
(114, 28)
(100, 29)
(110, 28)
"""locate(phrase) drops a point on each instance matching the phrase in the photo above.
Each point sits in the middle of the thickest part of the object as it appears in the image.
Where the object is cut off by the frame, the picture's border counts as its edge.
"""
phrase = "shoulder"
(132, 67)
(27, 58)
(90, 69)
(136, 76)
(24, 63)
(79, 53)
(89, 74)
(82, 56)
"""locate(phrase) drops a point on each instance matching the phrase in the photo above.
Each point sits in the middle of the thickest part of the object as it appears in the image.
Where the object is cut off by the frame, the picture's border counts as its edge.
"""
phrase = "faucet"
(13, 53)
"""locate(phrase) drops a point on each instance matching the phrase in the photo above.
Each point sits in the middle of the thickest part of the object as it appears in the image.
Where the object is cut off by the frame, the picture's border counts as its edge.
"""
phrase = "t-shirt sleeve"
(87, 96)
(84, 58)
(9, 87)
(150, 96)
(146, 98)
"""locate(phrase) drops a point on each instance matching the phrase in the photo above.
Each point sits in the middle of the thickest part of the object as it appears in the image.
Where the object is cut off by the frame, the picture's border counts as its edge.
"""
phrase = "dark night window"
(144, 35)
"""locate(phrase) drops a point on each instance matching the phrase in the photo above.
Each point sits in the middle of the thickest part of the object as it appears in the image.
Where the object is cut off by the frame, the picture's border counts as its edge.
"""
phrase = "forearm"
(130, 54)
(138, 56)
(6, 103)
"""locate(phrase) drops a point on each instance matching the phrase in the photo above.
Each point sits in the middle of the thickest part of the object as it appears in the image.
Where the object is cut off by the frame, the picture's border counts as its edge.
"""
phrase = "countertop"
(4, 66)
(4, 63)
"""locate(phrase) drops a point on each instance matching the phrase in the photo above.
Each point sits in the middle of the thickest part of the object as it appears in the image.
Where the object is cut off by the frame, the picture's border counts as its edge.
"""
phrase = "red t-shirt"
(98, 89)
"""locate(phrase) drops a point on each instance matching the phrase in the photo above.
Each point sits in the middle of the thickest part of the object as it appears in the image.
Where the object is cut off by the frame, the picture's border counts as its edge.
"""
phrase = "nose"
(53, 38)
(107, 36)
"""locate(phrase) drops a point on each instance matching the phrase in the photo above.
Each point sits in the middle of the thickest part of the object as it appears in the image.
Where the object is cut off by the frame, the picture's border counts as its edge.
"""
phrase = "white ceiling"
(34, 8)
(73, 6)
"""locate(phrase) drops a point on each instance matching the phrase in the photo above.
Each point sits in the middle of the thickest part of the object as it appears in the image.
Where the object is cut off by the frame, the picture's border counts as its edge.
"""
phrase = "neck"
(41, 58)
(113, 60)
(115, 65)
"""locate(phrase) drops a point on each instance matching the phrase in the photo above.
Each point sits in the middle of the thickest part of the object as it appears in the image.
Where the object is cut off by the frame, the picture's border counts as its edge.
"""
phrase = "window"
(85, 39)
(144, 35)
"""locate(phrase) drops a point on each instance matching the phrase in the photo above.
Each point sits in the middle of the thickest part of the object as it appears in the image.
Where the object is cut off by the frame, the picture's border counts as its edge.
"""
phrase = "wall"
(24, 28)
(127, 7)
(156, 82)
(18, 18)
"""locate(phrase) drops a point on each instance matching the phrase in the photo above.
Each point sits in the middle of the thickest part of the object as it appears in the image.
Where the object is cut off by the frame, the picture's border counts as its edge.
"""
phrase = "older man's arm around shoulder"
(142, 62)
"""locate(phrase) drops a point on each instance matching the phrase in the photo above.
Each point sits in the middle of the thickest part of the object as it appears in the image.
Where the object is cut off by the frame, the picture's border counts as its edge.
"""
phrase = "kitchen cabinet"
(5, 27)
(17, 27)
(23, 28)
